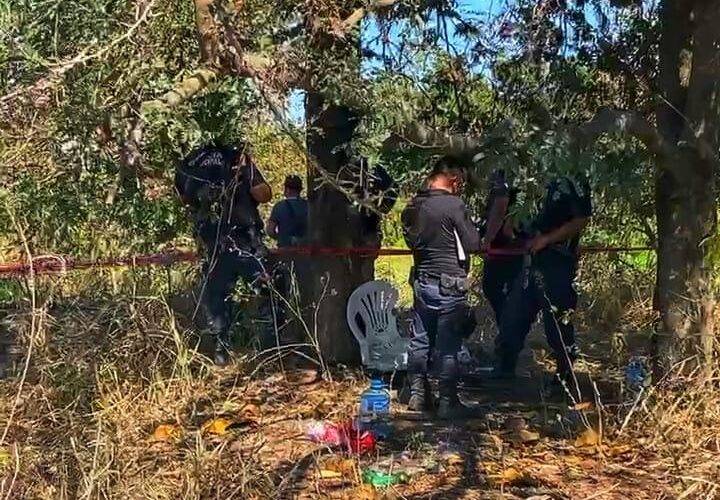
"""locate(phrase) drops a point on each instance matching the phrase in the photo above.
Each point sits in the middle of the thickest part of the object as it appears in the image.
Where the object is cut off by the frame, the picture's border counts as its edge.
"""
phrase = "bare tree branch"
(626, 122)
(184, 89)
(420, 136)
(244, 64)
(359, 14)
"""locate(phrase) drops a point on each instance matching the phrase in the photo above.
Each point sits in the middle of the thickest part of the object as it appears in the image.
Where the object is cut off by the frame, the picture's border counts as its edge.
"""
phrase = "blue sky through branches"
(373, 40)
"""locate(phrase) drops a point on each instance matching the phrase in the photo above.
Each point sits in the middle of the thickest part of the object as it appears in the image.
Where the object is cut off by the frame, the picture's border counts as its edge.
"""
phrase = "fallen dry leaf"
(583, 406)
(329, 474)
(588, 438)
(453, 459)
(620, 449)
(304, 377)
(508, 476)
(5, 458)
(251, 411)
(167, 432)
(491, 441)
(344, 466)
(363, 492)
(216, 426)
(547, 474)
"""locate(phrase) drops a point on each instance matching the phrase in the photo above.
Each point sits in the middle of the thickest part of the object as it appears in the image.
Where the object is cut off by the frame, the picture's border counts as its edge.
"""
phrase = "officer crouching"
(438, 230)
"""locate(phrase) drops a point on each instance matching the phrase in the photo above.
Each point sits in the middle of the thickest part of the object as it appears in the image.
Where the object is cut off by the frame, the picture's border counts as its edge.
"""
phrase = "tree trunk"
(686, 213)
(333, 222)
(686, 198)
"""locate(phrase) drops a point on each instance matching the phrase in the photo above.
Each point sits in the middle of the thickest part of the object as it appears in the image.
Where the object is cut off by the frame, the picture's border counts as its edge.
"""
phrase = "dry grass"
(108, 368)
(677, 425)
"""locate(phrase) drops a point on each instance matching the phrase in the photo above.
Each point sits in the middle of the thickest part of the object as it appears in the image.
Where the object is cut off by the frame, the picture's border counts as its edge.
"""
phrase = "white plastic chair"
(381, 346)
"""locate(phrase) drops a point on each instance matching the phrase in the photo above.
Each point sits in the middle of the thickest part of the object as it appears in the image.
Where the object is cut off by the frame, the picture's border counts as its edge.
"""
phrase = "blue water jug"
(374, 412)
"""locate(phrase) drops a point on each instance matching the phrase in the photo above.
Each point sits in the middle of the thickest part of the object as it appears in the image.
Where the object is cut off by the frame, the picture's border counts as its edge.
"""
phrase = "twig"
(597, 494)
(58, 70)
(626, 420)
(35, 323)
(15, 474)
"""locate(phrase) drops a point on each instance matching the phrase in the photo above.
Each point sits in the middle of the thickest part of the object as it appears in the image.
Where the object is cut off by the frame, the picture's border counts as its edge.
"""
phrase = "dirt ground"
(138, 414)
(525, 443)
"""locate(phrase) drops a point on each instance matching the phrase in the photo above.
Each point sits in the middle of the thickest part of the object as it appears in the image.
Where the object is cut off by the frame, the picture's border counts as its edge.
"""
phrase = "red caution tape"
(60, 264)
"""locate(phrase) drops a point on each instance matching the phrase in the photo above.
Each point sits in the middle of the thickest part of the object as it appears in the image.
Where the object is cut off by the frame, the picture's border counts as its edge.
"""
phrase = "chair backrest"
(370, 315)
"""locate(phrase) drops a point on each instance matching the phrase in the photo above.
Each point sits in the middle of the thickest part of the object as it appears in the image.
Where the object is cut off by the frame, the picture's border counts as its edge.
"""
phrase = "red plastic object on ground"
(345, 435)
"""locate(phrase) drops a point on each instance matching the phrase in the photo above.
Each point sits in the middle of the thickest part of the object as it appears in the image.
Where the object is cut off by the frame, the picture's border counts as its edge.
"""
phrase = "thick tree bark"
(686, 197)
(334, 216)
(206, 30)
(333, 222)
(686, 210)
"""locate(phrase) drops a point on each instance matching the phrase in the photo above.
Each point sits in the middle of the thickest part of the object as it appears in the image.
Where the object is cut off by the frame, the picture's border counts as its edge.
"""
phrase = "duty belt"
(459, 283)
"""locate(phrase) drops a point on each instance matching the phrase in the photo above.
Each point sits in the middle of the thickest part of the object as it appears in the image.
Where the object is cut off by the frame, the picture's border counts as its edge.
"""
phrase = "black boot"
(450, 407)
(420, 394)
(504, 368)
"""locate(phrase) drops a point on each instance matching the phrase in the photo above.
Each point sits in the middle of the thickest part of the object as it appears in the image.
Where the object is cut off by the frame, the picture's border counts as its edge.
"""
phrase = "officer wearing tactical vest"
(546, 281)
(441, 235)
(223, 188)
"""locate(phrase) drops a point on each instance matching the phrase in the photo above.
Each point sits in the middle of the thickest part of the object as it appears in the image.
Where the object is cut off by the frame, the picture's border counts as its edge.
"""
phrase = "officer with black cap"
(223, 188)
(438, 230)
(546, 281)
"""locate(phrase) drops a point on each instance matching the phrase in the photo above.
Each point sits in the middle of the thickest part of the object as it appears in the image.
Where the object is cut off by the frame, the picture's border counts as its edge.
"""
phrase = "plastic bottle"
(374, 412)
(383, 480)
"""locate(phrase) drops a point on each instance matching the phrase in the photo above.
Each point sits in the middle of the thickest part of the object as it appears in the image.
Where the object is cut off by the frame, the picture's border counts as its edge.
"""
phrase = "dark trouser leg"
(220, 278)
(423, 330)
(559, 300)
(451, 325)
(424, 327)
(499, 276)
(520, 311)
(252, 271)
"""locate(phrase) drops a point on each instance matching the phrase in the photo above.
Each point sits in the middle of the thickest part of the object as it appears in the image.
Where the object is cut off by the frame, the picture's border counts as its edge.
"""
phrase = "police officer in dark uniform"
(500, 270)
(379, 190)
(223, 188)
(546, 281)
(438, 230)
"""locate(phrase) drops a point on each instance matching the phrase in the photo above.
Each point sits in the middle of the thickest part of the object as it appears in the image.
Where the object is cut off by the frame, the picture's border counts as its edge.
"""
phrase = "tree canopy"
(101, 98)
